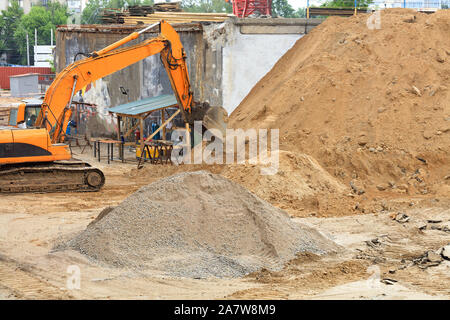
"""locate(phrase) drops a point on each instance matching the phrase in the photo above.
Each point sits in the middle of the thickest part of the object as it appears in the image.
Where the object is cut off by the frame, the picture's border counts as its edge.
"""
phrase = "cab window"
(13, 117)
(31, 114)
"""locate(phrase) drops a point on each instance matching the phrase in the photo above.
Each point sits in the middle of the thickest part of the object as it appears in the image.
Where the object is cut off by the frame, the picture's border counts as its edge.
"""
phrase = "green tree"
(43, 19)
(9, 22)
(282, 8)
(300, 13)
(346, 3)
(206, 6)
(92, 11)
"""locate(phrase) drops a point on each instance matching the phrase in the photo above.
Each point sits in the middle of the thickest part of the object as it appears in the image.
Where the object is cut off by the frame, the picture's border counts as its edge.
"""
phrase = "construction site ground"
(364, 138)
(380, 261)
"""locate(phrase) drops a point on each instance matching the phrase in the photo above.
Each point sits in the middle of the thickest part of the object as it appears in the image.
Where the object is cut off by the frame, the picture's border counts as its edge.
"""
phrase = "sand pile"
(197, 224)
(301, 186)
(372, 106)
(297, 186)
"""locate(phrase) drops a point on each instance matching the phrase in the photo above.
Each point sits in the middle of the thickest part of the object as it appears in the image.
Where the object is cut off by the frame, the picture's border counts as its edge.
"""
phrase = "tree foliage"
(9, 22)
(206, 6)
(300, 13)
(282, 8)
(91, 13)
(346, 3)
(43, 19)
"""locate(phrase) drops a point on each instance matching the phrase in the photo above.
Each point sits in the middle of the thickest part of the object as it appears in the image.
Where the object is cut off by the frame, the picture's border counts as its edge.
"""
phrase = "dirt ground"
(364, 127)
(377, 248)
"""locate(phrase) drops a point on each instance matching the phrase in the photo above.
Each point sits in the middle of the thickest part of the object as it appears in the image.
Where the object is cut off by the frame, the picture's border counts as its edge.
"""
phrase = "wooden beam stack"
(168, 6)
(112, 16)
(140, 11)
(177, 17)
(171, 12)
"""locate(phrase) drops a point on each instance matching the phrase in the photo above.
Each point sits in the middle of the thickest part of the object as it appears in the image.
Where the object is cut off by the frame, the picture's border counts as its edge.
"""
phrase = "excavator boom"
(55, 108)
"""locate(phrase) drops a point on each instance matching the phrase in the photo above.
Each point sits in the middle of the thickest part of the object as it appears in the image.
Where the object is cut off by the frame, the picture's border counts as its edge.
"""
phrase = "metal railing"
(358, 6)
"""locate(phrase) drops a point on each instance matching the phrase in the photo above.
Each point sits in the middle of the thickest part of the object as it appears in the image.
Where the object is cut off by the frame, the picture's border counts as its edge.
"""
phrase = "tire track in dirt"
(25, 285)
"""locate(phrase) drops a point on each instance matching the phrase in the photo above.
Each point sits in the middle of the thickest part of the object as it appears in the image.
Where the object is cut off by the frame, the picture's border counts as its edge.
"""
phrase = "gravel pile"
(199, 225)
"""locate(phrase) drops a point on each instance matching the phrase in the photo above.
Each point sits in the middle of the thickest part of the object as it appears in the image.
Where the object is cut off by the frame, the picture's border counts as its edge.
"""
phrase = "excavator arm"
(55, 113)
(35, 160)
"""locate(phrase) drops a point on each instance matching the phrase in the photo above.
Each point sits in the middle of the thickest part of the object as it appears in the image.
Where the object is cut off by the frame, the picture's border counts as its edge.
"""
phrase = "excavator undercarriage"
(57, 176)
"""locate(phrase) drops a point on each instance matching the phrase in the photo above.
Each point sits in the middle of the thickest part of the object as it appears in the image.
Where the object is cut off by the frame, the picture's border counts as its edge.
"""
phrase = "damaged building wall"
(225, 60)
(244, 50)
(146, 78)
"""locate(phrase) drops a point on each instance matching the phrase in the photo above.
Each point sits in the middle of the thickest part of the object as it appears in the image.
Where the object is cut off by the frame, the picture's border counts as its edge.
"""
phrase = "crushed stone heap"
(197, 224)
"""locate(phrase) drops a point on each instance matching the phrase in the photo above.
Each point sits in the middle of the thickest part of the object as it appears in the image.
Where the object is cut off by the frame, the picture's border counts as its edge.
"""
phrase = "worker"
(155, 127)
(72, 124)
(137, 135)
(31, 120)
(21, 125)
(168, 130)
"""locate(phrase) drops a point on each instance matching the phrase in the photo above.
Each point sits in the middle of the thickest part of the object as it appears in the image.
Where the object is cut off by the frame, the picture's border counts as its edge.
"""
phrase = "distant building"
(75, 6)
(413, 4)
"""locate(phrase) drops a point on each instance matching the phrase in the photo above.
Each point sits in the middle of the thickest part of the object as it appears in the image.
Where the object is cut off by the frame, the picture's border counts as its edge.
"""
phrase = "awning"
(145, 105)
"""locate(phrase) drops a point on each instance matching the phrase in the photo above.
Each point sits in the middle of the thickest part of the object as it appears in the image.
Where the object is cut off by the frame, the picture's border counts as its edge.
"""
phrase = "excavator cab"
(30, 115)
(24, 115)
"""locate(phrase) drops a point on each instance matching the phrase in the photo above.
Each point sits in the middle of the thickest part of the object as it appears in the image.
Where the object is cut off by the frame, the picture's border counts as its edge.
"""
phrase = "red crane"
(244, 8)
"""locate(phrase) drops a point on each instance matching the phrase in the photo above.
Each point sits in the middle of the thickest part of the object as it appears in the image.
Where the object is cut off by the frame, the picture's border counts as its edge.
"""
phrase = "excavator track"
(57, 176)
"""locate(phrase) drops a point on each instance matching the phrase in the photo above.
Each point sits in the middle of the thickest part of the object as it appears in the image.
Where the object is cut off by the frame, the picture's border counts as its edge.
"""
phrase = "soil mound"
(371, 105)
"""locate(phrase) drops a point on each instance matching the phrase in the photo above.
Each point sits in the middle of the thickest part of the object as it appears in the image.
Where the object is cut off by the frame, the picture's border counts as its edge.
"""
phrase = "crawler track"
(58, 176)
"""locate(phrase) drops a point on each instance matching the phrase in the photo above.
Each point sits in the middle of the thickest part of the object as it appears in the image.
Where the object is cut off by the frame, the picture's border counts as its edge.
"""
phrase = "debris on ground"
(389, 281)
(445, 252)
(400, 217)
(429, 259)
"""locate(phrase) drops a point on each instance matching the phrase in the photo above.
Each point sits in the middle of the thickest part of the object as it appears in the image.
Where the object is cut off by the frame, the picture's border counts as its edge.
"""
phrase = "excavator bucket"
(216, 118)
(211, 117)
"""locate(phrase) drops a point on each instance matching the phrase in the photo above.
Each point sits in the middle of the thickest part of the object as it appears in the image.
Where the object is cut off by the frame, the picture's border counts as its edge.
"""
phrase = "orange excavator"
(37, 159)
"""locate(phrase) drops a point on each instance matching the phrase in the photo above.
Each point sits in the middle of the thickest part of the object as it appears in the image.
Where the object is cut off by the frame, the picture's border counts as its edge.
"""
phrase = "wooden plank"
(141, 129)
(136, 125)
(178, 17)
(173, 20)
(191, 14)
(151, 21)
(162, 121)
(335, 11)
(118, 127)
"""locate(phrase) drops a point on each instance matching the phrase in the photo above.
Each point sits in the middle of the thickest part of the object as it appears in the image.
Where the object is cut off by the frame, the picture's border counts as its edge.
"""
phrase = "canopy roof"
(146, 105)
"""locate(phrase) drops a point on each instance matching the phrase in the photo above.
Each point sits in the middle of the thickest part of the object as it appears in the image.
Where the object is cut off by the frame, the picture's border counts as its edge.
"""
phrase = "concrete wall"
(247, 60)
(224, 60)
(146, 78)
